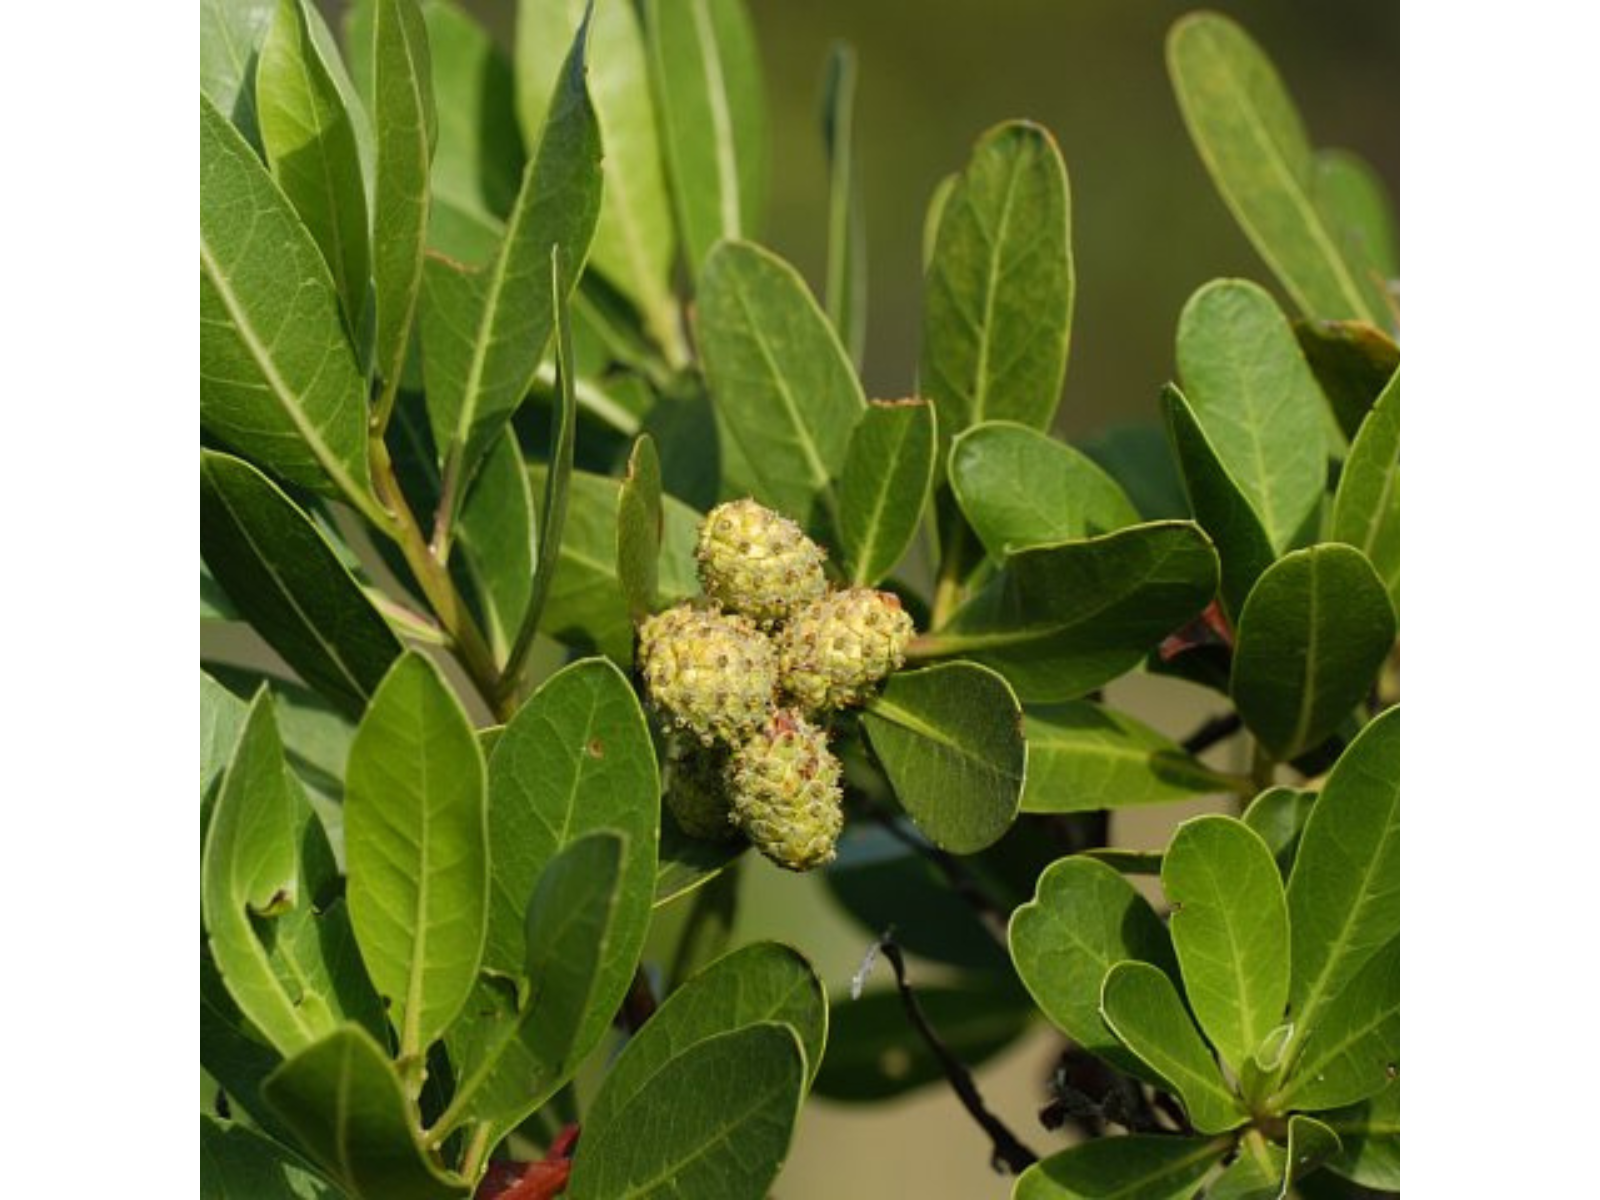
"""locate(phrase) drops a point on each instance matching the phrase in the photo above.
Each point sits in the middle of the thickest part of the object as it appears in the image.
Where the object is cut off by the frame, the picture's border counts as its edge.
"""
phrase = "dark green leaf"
(1353, 362)
(639, 529)
(417, 849)
(1278, 815)
(1128, 862)
(1142, 1007)
(707, 929)
(884, 486)
(713, 1123)
(997, 314)
(1353, 1051)
(1230, 927)
(278, 376)
(711, 101)
(1083, 757)
(345, 1103)
(1256, 1174)
(237, 1163)
(1139, 458)
(1140, 1167)
(846, 290)
(231, 33)
(784, 387)
(950, 739)
(222, 718)
(1370, 1134)
(1062, 620)
(1313, 633)
(214, 602)
(1356, 207)
(1084, 919)
(231, 1050)
(290, 583)
(687, 863)
(496, 538)
(1253, 144)
(1366, 508)
(1311, 1143)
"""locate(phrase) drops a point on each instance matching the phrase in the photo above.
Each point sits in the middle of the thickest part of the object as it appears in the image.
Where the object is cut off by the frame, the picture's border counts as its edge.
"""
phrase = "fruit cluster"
(748, 674)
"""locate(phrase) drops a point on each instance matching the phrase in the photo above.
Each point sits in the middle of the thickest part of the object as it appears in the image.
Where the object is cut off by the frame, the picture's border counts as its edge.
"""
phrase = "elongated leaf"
(278, 377)
(1279, 815)
(496, 539)
(998, 310)
(783, 385)
(1353, 1052)
(1353, 362)
(1019, 487)
(1063, 619)
(310, 143)
(345, 1103)
(290, 584)
(1370, 1135)
(950, 739)
(1251, 139)
(222, 717)
(711, 103)
(407, 127)
(417, 848)
(639, 529)
(1083, 757)
(1344, 892)
(634, 239)
(1258, 403)
(687, 863)
(846, 290)
(1139, 1167)
(1354, 202)
(237, 1163)
(1085, 919)
(231, 33)
(1366, 509)
(713, 1122)
(232, 1052)
(884, 486)
(1142, 1007)
(1230, 927)
(1311, 638)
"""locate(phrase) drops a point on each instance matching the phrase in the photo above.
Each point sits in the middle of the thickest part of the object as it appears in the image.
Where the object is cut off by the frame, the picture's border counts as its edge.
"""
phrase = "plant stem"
(947, 591)
(961, 881)
(1217, 729)
(476, 1148)
(1263, 768)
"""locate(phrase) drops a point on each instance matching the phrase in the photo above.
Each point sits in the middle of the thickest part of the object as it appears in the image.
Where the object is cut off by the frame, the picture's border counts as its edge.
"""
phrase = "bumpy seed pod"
(697, 792)
(834, 650)
(785, 786)
(709, 672)
(758, 563)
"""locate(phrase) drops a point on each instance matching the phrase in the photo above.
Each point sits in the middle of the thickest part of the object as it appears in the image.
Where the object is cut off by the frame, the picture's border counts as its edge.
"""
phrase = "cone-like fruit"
(697, 792)
(756, 562)
(785, 786)
(708, 672)
(836, 649)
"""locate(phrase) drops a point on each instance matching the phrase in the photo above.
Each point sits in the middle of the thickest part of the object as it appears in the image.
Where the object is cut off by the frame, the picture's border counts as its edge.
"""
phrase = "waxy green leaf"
(496, 540)
(997, 314)
(884, 486)
(222, 717)
(950, 739)
(1083, 757)
(1353, 362)
(1279, 815)
(1370, 1135)
(639, 528)
(711, 103)
(418, 851)
(289, 583)
(1085, 919)
(231, 33)
(1256, 1174)
(1138, 1167)
(1353, 1051)
(232, 1052)
(784, 388)
(1140, 460)
(237, 1163)
(1230, 928)
(687, 863)
(845, 293)
(1358, 210)
(1313, 633)
(1366, 508)
(1139, 1003)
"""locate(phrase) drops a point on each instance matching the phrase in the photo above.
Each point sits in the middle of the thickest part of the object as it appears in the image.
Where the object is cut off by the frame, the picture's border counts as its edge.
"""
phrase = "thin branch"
(993, 915)
(1217, 729)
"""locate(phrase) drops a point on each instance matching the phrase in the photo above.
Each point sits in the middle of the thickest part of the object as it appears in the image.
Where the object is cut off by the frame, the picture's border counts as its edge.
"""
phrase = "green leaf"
(1344, 892)
(222, 718)
(634, 240)
(1256, 1174)
(711, 101)
(231, 1050)
(932, 219)
(1084, 919)
(1258, 403)
(237, 1163)
(407, 125)
(1139, 1167)
(231, 33)
(418, 851)
(761, 982)
(1353, 362)
(576, 759)
(496, 537)
(310, 143)
(1230, 927)
(846, 289)
(706, 931)
(1366, 508)
(997, 313)
(1353, 1051)
(1139, 459)
(1370, 1135)
(884, 486)
(639, 529)
(1313, 633)
(484, 349)
(1139, 1003)
(1019, 488)
(346, 1104)
(874, 1052)
(950, 739)
(289, 583)
(1279, 815)
(1061, 620)
(784, 388)
(1083, 757)
(687, 863)
(278, 377)
(1356, 206)
(1252, 142)
(1311, 1143)
(714, 1122)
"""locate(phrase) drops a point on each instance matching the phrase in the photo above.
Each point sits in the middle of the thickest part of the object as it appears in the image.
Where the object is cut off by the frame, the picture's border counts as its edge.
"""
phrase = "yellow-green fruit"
(710, 673)
(758, 563)
(836, 649)
(785, 786)
(697, 793)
